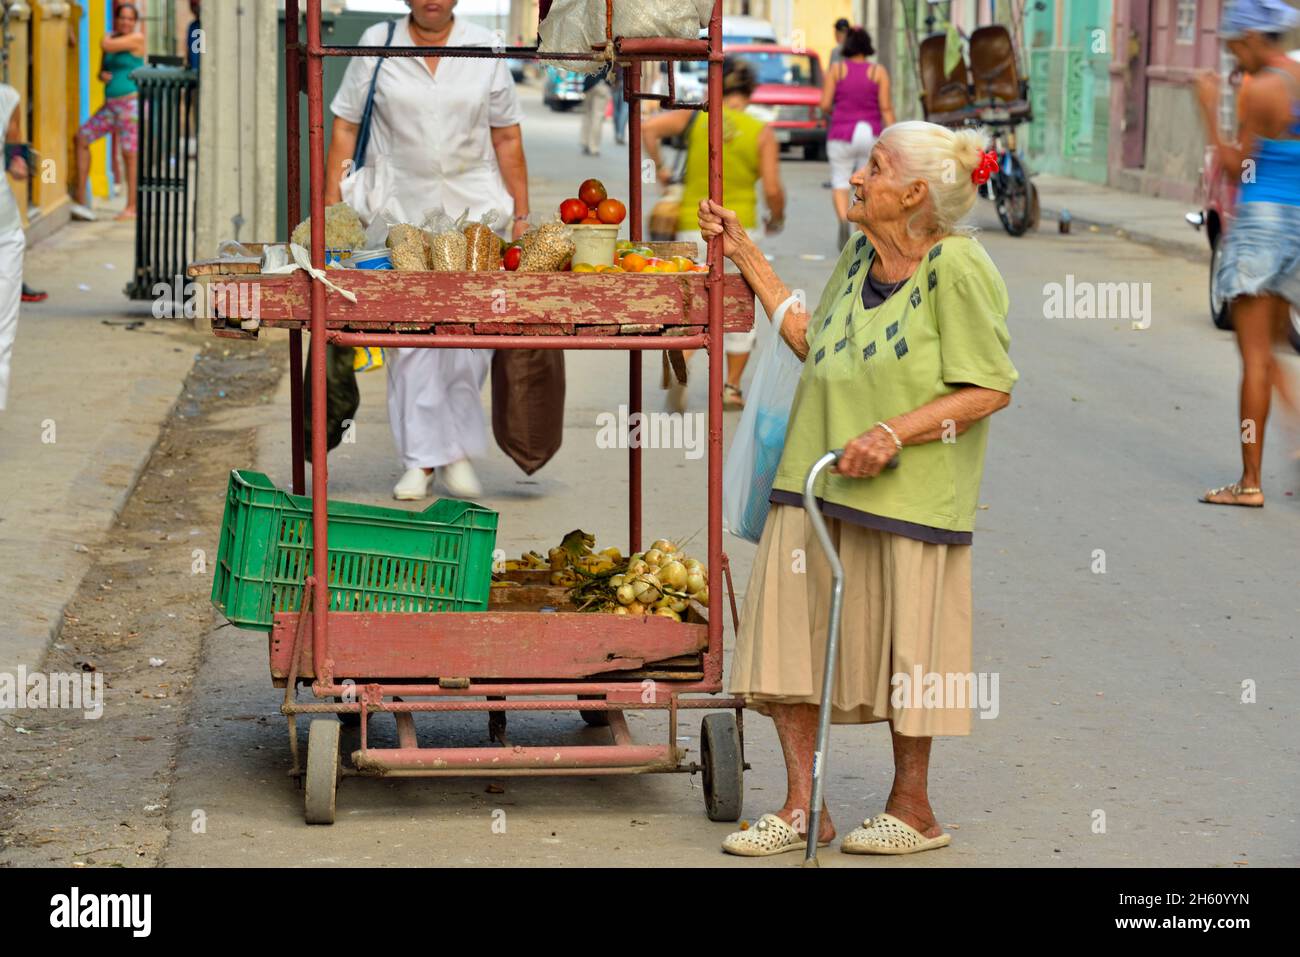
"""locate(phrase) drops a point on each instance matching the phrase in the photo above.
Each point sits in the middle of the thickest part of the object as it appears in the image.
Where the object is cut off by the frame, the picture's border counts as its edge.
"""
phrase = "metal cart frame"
(449, 658)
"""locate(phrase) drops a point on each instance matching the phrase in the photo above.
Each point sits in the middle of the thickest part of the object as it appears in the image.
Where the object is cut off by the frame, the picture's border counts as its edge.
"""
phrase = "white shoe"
(83, 213)
(460, 480)
(413, 486)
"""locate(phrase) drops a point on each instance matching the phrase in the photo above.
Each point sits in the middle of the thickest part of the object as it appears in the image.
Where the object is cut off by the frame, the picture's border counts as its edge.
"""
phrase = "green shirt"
(739, 168)
(121, 63)
(944, 328)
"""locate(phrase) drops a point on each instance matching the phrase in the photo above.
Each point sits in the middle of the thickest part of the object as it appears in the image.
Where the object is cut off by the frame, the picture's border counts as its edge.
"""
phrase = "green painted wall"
(1069, 83)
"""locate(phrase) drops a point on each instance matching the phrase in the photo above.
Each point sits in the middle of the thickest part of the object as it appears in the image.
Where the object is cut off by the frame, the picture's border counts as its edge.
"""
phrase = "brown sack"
(528, 404)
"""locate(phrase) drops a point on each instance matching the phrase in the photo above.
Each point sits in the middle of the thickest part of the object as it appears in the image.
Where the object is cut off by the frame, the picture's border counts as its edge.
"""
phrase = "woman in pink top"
(856, 95)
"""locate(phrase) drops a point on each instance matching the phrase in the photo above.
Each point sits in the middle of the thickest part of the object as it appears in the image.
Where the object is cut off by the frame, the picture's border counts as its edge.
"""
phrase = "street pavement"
(1122, 737)
(93, 378)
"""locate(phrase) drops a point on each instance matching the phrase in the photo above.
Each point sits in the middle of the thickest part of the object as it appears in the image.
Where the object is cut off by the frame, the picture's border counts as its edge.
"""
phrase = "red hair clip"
(988, 166)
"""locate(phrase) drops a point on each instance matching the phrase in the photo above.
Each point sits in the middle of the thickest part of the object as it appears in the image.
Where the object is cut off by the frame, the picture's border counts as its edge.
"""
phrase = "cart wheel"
(596, 719)
(322, 770)
(724, 784)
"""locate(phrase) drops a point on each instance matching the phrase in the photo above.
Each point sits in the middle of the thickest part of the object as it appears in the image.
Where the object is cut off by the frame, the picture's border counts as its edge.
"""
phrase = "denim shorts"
(1262, 255)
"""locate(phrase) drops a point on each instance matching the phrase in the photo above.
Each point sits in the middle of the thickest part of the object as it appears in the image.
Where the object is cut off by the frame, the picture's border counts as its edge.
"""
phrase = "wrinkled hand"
(520, 227)
(717, 220)
(867, 455)
(664, 174)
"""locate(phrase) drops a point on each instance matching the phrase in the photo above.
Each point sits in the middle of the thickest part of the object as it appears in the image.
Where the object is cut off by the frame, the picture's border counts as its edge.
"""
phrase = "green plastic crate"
(380, 559)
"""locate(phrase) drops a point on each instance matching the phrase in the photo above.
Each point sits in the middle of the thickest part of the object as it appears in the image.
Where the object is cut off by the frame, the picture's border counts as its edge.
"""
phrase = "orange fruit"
(683, 263)
(610, 211)
(668, 265)
(633, 262)
(584, 267)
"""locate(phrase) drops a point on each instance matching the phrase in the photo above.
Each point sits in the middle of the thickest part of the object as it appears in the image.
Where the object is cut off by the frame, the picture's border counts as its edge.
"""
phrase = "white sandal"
(770, 835)
(886, 834)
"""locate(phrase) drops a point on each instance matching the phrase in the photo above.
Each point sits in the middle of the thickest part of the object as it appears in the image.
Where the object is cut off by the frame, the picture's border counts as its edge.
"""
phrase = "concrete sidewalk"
(89, 390)
(1143, 219)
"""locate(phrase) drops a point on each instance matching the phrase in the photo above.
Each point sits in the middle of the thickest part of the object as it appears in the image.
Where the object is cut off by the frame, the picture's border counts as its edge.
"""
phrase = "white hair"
(941, 158)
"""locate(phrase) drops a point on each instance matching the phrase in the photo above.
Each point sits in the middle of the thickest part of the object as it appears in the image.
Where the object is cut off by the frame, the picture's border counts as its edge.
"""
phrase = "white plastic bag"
(574, 26)
(371, 191)
(755, 451)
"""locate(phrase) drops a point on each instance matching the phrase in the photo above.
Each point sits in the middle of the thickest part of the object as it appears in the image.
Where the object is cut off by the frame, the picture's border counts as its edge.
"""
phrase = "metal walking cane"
(832, 646)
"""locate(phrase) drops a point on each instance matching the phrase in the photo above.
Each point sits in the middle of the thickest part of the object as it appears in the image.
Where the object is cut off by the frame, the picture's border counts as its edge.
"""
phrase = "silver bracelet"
(898, 443)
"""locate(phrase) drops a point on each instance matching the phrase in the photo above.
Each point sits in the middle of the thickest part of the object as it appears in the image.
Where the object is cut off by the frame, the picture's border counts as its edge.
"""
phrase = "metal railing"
(163, 227)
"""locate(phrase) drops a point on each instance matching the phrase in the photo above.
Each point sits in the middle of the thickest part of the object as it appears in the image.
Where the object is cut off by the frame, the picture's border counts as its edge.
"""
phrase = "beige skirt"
(905, 627)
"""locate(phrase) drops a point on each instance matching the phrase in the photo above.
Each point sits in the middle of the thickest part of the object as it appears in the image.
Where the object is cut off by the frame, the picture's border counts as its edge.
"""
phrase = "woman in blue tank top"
(1259, 271)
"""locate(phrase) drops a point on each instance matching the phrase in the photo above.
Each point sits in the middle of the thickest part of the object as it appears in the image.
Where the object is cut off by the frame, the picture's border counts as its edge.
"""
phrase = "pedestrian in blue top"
(1260, 269)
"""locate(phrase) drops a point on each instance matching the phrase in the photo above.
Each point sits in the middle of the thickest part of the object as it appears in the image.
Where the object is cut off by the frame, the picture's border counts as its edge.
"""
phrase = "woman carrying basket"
(904, 357)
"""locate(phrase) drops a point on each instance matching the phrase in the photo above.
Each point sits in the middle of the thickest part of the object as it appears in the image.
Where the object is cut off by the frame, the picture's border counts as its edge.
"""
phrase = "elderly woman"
(904, 357)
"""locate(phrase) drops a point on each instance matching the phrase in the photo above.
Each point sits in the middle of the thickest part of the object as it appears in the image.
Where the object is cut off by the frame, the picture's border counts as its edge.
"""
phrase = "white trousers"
(12, 245)
(593, 115)
(434, 404)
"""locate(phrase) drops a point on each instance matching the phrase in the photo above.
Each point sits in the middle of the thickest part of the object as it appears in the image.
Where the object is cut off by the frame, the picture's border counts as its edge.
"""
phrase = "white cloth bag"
(755, 451)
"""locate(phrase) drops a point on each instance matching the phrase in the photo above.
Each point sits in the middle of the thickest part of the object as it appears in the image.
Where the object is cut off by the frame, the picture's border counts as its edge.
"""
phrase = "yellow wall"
(816, 18)
(49, 102)
(98, 25)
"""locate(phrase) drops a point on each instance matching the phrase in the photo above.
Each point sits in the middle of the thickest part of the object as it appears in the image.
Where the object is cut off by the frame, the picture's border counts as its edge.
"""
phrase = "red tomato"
(591, 192)
(591, 221)
(573, 211)
(511, 258)
(611, 211)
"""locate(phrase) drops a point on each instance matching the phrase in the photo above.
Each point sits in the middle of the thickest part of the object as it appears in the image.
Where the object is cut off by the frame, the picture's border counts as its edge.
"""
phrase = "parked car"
(688, 75)
(1218, 204)
(788, 95)
(562, 89)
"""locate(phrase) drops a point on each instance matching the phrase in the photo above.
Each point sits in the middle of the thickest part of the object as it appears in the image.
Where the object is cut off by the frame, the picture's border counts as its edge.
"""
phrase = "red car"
(1219, 203)
(788, 95)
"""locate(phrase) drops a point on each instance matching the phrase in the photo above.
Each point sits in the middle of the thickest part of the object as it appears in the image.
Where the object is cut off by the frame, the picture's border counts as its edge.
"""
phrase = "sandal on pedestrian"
(886, 834)
(770, 835)
(1236, 491)
(732, 397)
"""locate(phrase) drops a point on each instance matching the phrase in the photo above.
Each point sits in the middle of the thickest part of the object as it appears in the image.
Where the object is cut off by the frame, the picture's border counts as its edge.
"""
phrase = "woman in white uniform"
(13, 242)
(448, 130)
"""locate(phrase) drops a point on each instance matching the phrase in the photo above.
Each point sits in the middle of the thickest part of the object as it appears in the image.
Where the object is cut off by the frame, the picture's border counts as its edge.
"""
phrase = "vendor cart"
(525, 652)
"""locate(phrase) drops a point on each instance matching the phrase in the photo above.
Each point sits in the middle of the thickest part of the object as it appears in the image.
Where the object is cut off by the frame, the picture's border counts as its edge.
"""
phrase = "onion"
(702, 596)
(616, 582)
(668, 613)
(674, 575)
(612, 554)
(679, 605)
(695, 582)
(621, 610)
(638, 567)
(636, 608)
(665, 546)
(626, 594)
(646, 590)
(654, 557)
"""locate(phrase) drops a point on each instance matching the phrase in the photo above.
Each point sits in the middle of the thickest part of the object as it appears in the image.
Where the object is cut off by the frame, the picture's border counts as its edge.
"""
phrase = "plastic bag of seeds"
(483, 245)
(410, 248)
(448, 245)
(546, 248)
